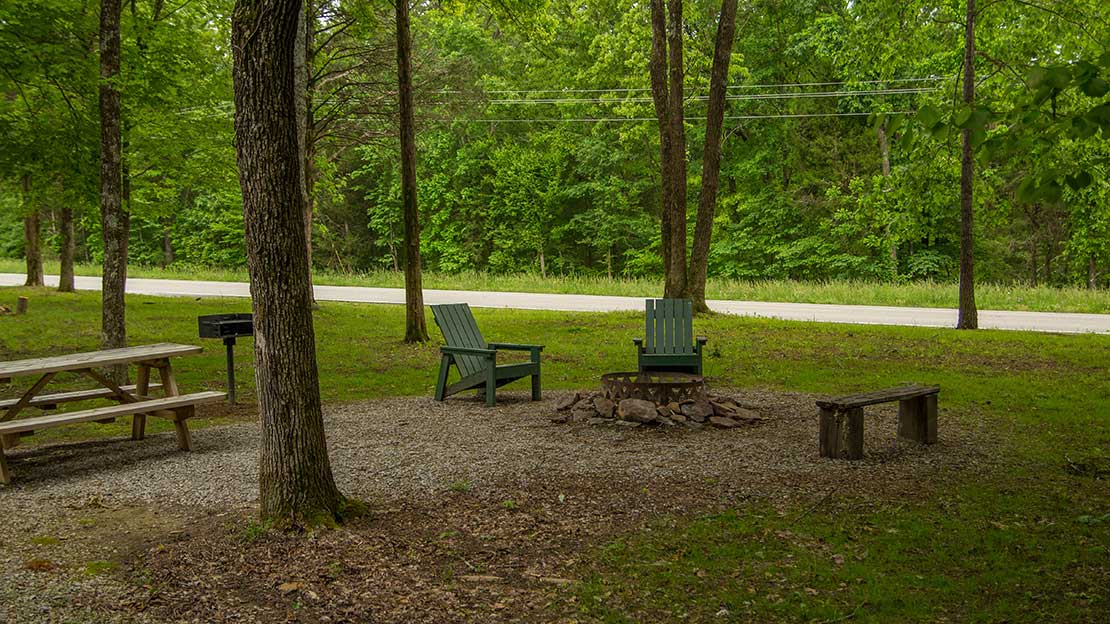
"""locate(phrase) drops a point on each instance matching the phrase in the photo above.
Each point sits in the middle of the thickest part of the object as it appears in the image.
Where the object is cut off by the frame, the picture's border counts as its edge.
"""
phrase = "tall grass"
(926, 294)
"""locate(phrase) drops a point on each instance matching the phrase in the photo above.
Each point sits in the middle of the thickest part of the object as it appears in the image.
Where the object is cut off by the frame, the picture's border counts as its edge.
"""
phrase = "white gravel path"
(827, 313)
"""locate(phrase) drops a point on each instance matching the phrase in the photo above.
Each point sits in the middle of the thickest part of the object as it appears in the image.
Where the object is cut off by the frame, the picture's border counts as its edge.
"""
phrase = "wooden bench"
(842, 418)
(178, 408)
(51, 401)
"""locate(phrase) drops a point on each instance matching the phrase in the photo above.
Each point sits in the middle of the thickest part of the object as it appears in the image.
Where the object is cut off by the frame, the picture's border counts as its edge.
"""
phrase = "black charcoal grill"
(228, 327)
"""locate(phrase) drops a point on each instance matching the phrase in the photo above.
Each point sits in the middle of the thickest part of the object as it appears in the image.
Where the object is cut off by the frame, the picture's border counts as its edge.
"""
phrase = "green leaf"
(928, 116)
(1095, 87)
(962, 116)
(1027, 190)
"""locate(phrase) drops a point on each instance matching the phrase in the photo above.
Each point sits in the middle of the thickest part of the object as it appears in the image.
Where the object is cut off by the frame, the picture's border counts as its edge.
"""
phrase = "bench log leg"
(917, 419)
(180, 415)
(5, 476)
(9, 440)
(841, 434)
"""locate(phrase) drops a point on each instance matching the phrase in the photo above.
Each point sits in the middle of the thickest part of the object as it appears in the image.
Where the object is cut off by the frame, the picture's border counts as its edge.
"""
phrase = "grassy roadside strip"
(849, 292)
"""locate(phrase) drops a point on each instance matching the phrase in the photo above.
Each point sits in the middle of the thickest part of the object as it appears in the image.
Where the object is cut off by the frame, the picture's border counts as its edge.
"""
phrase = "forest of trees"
(539, 145)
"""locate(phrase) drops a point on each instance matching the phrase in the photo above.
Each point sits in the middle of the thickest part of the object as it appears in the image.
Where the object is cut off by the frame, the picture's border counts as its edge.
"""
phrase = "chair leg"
(441, 384)
(491, 388)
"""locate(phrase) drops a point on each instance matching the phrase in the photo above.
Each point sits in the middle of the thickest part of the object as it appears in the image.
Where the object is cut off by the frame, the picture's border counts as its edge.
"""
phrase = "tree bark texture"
(711, 159)
(66, 250)
(415, 327)
(32, 247)
(296, 485)
(32, 236)
(658, 71)
(303, 63)
(113, 219)
(1092, 273)
(968, 314)
(675, 285)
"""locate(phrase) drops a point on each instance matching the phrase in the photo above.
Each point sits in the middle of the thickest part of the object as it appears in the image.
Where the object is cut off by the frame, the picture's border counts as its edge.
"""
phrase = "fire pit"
(653, 398)
(658, 387)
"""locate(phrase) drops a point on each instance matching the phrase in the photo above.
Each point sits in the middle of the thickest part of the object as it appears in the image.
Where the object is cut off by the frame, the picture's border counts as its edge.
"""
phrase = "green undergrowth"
(927, 294)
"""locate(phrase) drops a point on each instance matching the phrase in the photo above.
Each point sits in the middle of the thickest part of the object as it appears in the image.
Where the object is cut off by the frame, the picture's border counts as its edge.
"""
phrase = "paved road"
(827, 313)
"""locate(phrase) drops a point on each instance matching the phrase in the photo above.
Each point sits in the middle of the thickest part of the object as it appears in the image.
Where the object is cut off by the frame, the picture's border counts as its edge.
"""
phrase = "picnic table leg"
(26, 398)
(5, 476)
(142, 387)
(179, 417)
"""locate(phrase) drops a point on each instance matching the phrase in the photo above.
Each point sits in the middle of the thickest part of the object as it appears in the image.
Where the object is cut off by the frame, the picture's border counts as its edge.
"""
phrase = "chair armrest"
(508, 346)
(702, 340)
(639, 342)
(468, 351)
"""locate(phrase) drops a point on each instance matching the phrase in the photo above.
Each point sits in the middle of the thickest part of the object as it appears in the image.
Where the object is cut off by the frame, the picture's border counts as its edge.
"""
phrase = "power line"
(702, 98)
(754, 86)
(732, 117)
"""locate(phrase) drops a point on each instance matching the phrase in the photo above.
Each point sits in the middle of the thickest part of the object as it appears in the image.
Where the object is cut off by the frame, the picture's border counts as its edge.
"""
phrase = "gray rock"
(678, 417)
(747, 414)
(567, 402)
(560, 418)
(722, 422)
(698, 410)
(582, 415)
(600, 421)
(625, 423)
(637, 410)
(696, 426)
(604, 407)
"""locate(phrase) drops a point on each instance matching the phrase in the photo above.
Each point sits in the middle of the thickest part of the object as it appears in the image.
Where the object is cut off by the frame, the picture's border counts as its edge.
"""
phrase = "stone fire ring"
(659, 387)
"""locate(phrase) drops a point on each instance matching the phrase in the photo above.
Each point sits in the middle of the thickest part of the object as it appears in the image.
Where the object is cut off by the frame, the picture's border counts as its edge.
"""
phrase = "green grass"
(915, 294)
(1029, 544)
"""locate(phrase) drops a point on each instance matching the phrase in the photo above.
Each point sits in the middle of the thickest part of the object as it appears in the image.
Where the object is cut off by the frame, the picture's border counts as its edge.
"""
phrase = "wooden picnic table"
(134, 400)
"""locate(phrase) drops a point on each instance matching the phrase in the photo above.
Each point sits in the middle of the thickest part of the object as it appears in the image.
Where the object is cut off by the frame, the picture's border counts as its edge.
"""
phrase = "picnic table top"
(94, 359)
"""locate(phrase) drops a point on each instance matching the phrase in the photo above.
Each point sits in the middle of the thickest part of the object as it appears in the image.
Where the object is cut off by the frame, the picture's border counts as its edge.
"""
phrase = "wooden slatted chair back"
(459, 329)
(669, 326)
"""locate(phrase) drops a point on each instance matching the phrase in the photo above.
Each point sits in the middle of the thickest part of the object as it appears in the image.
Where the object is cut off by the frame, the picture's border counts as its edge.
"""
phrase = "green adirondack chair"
(476, 359)
(669, 343)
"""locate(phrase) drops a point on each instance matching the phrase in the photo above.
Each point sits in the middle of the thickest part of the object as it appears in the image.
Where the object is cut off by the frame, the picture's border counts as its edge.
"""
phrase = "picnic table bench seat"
(178, 408)
(669, 343)
(51, 401)
(841, 434)
(476, 359)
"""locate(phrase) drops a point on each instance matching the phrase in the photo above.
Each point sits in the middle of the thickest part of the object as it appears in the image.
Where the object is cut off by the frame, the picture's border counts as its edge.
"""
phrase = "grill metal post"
(229, 342)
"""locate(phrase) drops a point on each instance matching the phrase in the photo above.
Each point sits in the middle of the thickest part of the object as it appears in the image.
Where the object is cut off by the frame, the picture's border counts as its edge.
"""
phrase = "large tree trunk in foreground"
(303, 68)
(415, 328)
(296, 485)
(66, 249)
(113, 219)
(968, 314)
(711, 159)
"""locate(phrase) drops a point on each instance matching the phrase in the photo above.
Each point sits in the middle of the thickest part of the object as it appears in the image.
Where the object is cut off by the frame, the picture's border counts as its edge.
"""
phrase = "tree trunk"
(711, 160)
(415, 328)
(32, 236)
(32, 250)
(968, 314)
(658, 71)
(884, 151)
(66, 252)
(1092, 273)
(302, 72)
(113, 219)
(675, 285)
(167, 241)
(296, 486)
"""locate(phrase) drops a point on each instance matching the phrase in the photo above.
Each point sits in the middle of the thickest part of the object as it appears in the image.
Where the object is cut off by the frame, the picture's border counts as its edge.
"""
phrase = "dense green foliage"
(517, 173)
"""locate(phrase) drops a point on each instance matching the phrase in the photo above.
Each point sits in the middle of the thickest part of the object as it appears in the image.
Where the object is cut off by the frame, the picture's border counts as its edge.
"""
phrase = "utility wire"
(754, 86)
(702, 98)
(734, 117)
